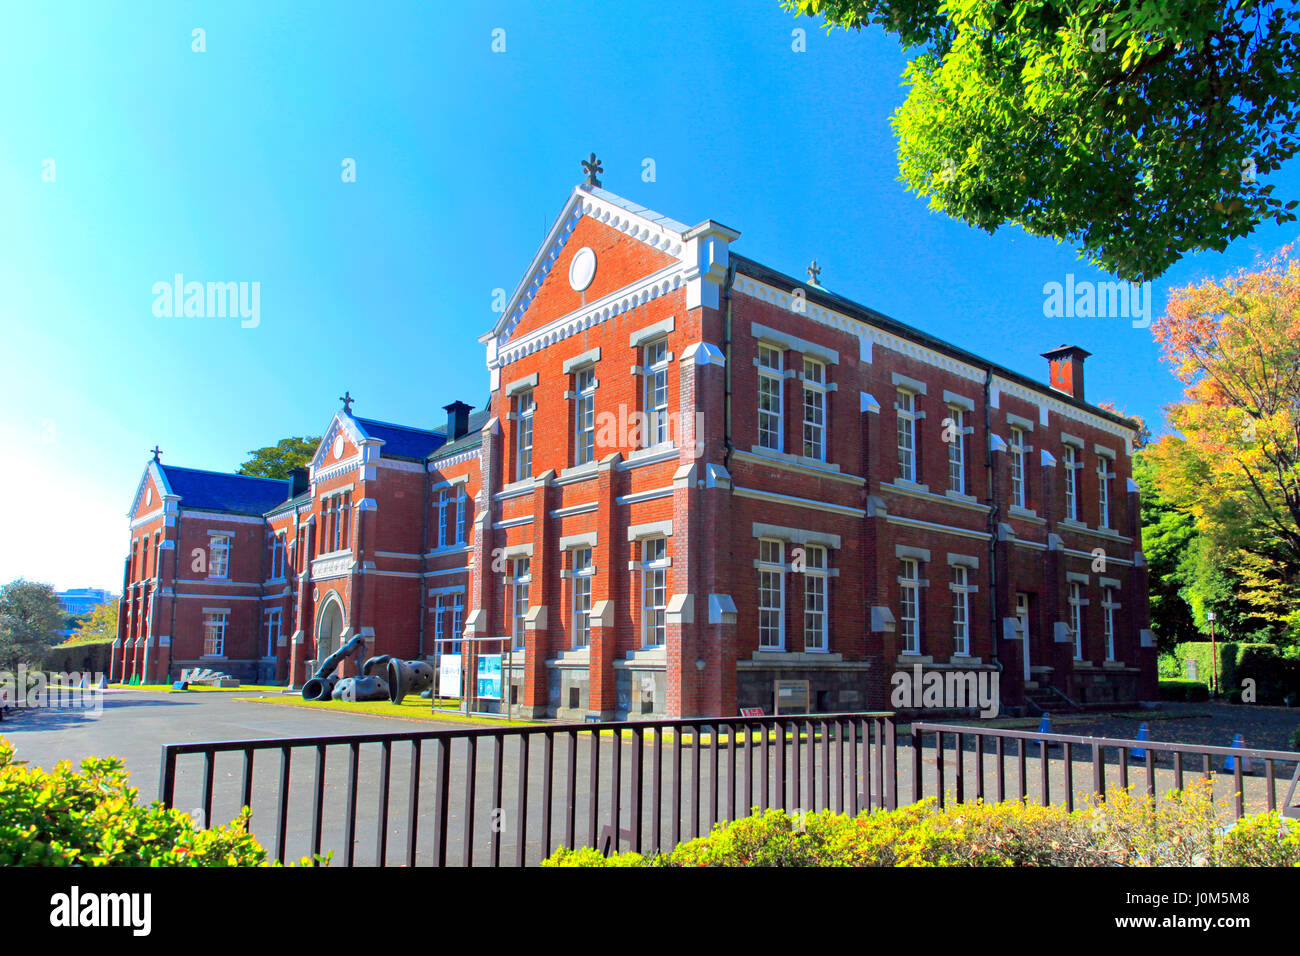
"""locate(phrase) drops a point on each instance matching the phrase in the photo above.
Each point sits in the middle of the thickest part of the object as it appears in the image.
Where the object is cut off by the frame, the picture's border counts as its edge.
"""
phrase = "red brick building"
(695, 476)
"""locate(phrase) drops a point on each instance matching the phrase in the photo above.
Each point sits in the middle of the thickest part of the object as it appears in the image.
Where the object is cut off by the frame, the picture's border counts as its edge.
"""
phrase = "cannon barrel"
(322, 684)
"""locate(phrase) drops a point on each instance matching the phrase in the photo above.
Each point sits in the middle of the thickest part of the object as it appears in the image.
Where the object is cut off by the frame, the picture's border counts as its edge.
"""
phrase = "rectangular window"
(440, 521)
(462, 505)
(909, 606)
(522, 578)
(1103, 491)
(654, 592)
(273, 624)
(457, 622)
(960, 610)
(957, 450)
(814, 409)
(771, 595)
(815, 603)
(906, 408)
(439, 629)
(1016, 448)
(770, 382)
(583, 571)
(1108, 618)
(277, 557)
(584, 416)
(1071, 463)
(219, 556)
(1076, 618)
(214, 634)
(655, 399)
(524, 409)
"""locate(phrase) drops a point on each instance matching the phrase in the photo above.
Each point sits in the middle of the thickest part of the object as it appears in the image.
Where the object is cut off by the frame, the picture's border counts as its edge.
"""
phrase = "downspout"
(426, 498)
(991, 482)
(726, 352)
(176, 570)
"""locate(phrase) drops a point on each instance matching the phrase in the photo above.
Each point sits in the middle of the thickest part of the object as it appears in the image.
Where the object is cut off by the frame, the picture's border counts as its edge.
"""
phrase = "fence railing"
(515, 794)
(1093, 750)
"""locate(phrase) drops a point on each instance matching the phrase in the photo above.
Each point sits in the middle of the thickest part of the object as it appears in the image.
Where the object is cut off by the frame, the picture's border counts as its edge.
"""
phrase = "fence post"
(891, 765)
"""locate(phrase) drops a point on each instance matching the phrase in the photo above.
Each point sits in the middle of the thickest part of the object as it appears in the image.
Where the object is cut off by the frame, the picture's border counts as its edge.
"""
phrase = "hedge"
(91, 818)
(1177, 688)
(1185, 828)
(1276, 677)
(83, 658)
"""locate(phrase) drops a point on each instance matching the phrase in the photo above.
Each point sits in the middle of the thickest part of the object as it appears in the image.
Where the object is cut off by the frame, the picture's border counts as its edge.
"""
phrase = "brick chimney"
(1065, 369)
(457, 420)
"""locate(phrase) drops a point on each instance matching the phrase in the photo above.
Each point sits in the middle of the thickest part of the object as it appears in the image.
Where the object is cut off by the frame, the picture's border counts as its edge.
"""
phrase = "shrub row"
(1185, 828)
(91, 818)
(1177, 688)
(1276, 675)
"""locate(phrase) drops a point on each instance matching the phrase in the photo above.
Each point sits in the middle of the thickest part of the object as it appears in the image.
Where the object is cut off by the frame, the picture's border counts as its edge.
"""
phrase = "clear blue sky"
(225, 166)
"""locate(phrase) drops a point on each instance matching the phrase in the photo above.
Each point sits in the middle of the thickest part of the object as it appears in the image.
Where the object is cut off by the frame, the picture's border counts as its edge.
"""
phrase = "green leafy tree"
(1167, 535)
(1136, 130)
(30, 621)
(100, 624)
(276, 461)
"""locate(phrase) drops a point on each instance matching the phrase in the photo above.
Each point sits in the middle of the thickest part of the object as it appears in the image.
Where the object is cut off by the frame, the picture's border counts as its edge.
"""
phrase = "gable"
(340, 425)
(620, 261)
(149, 494)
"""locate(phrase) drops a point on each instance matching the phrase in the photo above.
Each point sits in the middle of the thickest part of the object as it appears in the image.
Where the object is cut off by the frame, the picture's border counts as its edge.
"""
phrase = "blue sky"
(225, 166)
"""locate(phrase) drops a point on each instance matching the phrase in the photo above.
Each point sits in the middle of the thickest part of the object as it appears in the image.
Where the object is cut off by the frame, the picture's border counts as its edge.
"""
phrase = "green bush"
(1182, 689)
(1185, 828)
(1276, 674)
(66, 818)
(1168, 666)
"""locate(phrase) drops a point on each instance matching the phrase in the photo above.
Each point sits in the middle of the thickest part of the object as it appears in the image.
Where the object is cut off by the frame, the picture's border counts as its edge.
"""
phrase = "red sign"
(751, 712)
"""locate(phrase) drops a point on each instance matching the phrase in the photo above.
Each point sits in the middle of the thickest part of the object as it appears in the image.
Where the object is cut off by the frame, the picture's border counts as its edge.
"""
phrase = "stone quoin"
(810, 491)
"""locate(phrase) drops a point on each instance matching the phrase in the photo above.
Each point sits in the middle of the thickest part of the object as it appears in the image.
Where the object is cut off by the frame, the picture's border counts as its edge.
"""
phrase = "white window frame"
(654, 591)
(583, 572)
(1103, 492)
(524, 408)
(771, 594)
(909, 605)
(274, 628)
(214, 641)
(457, 619)
(654, 391)
(906, 434)
(1076, 618)
(219, 548)
(277, 556)
(771, 386)
(584, 415)
(814, 409)
(1070, 463)
(816, 598)
(1016, 448)
(1108, 607)
(957, 451)
(961, 610)
(521, 576)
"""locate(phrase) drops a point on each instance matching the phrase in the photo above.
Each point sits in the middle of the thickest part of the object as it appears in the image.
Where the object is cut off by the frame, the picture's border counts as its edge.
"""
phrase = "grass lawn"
(412, 708)
(201, 688)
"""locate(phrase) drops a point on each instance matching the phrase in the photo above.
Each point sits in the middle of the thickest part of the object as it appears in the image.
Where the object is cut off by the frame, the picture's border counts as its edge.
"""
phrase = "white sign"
(449, 675)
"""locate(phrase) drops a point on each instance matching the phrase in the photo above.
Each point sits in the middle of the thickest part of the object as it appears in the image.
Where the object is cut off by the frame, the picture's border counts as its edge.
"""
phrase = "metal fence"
(502, 796)
(1155, 757)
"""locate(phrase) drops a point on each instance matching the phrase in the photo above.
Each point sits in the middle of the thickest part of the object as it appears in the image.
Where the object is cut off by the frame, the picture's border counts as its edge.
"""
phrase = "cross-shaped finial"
(813, 272)
(592, 167)
(156, 452)
(347, 400)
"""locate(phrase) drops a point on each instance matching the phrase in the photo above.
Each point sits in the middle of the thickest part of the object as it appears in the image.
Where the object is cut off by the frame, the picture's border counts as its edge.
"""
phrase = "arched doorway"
(328, 628)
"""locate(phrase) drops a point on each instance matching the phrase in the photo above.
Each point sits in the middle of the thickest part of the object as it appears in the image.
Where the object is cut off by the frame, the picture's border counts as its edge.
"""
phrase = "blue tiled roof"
(214, 491)
(403, 442)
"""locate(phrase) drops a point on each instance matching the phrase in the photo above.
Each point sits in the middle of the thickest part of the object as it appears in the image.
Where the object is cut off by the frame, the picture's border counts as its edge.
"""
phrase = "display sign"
(751, 712)
(791, 696)
(489, 676)
(449, 675)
